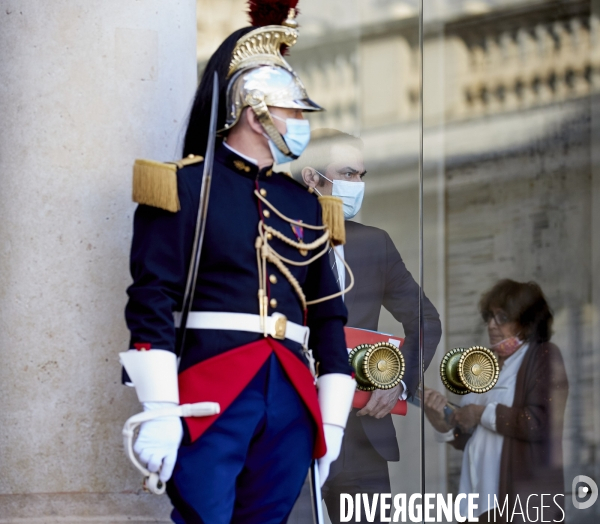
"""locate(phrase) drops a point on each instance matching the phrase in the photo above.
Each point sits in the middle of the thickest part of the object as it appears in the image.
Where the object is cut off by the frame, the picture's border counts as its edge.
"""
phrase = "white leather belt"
(277, 325)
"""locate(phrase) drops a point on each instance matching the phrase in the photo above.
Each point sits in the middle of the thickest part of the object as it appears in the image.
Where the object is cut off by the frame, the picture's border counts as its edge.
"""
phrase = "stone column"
(85, 87)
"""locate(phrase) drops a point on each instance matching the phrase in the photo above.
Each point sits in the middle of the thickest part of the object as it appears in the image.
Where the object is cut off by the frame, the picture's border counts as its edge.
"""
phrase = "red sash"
(204, 382)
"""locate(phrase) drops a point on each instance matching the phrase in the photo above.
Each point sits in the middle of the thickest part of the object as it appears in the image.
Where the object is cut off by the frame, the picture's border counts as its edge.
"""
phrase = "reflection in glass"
(511, 189)
(334, 164)
(512, 434)
(511, 184)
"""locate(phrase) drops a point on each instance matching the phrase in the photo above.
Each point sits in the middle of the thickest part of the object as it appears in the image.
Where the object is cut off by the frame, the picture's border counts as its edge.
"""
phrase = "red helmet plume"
(269, 12)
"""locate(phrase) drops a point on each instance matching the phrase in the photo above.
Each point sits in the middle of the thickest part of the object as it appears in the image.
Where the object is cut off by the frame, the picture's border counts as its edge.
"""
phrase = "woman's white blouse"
(481, 459)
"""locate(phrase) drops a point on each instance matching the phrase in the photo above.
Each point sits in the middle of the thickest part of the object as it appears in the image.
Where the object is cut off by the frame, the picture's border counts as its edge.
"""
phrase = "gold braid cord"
(283, 217)
(266, 253)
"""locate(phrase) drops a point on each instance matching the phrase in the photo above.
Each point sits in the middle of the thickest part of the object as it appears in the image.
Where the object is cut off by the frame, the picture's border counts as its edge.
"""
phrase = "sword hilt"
(152, 482)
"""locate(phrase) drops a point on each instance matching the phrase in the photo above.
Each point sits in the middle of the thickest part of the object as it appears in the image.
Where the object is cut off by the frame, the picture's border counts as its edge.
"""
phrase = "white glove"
(159, 440)
(333, 439)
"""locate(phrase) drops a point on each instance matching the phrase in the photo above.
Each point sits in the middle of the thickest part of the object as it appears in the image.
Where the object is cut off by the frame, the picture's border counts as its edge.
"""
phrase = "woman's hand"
(433, 404)
(467, 417)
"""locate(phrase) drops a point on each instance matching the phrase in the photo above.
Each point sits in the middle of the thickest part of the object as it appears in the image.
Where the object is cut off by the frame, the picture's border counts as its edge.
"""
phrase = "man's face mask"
(351, 193)
(297, 137)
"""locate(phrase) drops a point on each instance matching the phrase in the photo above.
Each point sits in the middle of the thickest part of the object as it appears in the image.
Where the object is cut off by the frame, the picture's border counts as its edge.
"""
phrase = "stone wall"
(85, 87)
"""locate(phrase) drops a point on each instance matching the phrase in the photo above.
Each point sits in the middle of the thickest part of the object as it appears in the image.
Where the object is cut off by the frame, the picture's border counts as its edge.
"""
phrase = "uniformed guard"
(265, 297)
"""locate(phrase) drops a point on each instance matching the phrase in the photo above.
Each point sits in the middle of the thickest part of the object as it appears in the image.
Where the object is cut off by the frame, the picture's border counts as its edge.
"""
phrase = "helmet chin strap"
(257, 102)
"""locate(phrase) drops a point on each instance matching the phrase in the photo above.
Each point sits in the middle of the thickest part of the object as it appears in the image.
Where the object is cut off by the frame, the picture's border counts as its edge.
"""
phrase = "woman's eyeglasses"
(499, 317)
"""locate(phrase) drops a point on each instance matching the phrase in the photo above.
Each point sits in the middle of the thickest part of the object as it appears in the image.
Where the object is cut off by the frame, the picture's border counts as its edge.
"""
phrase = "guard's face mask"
(351, 193)
(297, 137)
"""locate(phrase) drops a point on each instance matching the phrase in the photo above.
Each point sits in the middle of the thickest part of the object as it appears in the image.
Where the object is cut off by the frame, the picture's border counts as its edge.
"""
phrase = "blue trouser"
(249, 466)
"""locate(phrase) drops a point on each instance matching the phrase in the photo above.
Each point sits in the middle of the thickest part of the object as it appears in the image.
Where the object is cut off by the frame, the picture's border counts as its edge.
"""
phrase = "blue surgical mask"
(351, 193)
(297, 137)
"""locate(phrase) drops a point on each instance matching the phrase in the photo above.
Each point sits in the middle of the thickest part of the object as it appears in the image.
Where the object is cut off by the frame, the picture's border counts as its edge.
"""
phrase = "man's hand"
(467, 417)
(434, 404)
(333, 440)
(336, 391)
(382, 401)
(158, 442)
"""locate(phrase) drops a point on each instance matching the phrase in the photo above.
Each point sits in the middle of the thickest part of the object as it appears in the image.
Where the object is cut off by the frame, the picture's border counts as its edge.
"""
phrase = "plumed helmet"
(259, 76)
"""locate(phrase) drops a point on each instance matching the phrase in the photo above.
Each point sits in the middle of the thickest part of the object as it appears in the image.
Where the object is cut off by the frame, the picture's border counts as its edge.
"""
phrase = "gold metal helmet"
(259, 76)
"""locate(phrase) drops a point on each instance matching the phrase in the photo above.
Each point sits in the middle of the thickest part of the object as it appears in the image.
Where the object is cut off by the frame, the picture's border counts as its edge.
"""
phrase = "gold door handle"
(472, 370)
(377, 366)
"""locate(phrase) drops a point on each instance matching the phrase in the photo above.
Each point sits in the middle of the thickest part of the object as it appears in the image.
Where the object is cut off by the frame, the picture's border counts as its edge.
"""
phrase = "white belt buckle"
(279, 326)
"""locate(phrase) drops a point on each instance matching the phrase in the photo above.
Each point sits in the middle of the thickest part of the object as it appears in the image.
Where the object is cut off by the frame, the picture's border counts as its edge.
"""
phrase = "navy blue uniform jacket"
(228, 275)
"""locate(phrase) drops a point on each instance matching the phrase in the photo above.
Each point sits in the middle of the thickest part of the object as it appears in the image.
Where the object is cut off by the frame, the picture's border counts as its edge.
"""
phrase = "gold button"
(273, 279)
(267, 213)
(269, 172)
(273, 303)
(263, 192)
(269, 236)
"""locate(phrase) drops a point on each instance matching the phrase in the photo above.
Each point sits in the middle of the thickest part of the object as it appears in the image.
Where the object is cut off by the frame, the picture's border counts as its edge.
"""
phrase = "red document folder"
(355, 337)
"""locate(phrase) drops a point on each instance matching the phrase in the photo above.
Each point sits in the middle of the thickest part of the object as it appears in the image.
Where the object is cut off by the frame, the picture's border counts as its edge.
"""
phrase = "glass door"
(511, 254)
(361, 60)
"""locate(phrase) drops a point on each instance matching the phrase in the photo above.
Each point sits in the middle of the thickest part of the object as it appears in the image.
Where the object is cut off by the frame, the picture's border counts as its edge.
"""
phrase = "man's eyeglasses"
(499, 317)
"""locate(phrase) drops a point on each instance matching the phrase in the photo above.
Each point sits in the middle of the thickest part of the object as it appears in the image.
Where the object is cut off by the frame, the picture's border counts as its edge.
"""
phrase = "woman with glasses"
(512, 435)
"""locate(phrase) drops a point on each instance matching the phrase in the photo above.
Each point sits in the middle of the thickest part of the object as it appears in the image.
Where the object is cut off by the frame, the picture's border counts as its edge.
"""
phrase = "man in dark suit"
(333, 165)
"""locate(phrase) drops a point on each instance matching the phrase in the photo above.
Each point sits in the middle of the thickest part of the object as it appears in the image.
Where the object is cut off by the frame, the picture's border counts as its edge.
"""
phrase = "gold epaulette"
(333, 218)
(155, 183)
